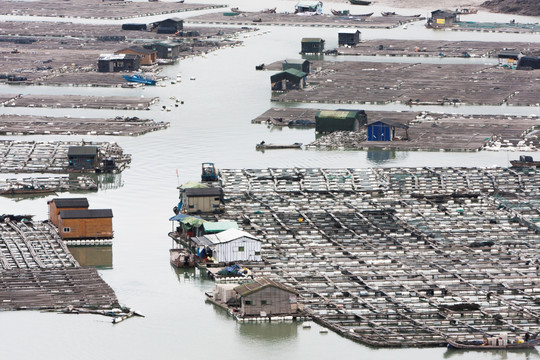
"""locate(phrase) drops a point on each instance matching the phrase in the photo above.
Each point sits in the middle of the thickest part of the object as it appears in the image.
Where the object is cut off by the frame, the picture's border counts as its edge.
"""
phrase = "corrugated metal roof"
(219, 226)
(336, 114)
(318, 40)
(70, 202)
(86, 214)
(82, 150)
(390, 123)
(203, 192)
(259, 284)
(229, 235)
(109, 57)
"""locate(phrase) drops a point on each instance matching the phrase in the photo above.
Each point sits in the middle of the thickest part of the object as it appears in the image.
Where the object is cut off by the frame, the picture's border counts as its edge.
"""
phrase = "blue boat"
(140, 79)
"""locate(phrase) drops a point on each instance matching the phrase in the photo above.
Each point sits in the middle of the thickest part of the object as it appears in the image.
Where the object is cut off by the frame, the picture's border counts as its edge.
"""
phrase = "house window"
(257, 253)
(266, 302)
(66, 229)
(248, 302)
(240, 248)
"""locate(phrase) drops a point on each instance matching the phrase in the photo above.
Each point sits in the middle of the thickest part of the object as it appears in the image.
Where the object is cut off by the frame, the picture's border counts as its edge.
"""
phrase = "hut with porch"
(118, 62)
(230, 246)
(82, 157)
(55, 205)
(312, 46)
(85, 223)
(148, 56)
(288, 80)
(327, 121)
(266, 297)
(349, 38)
(384, 130)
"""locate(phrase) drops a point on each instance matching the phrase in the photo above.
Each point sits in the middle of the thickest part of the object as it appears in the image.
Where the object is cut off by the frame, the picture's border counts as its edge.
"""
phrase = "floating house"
(86, 223)
(265, 297)
(442, 18)
(308, 7)
(288, 79)
(169, 26)
(327, 121)
(384, 130)
(298, 64)
(349, 38)
(165, 49)
(82, 157)
(201, 200)
(312, 46)
(509, 57)
(55, 205)
(118, 62)
(139, 27)
(230, 246)
(148, 56)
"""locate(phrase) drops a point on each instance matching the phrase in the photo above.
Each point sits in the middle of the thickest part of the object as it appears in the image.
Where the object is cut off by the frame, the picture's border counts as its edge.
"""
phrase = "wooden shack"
(166, 49)
(288, 79)
(83, 157)
(55, 205)
(384, 130)
(169, 26)
(327, 121)
(298, 64)
(442, 18)
(312, 46)
(148, 56)
(349, 38)
(230, 246)
(118, 62)
(201, 200)
(84, 224)
(265, 297)
(509, 57)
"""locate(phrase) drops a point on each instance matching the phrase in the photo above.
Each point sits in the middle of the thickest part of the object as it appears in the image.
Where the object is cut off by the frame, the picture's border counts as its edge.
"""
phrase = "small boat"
(388, 13)
(346, 13)
(525, 161)
(466, 11)
(138, 78)
(269, 11)
(480, 345)
(264, 146)
(181, 258)
(359, 2)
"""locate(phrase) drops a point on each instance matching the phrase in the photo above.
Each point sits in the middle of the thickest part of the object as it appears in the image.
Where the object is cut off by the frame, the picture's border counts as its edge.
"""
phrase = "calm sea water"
(213, 124)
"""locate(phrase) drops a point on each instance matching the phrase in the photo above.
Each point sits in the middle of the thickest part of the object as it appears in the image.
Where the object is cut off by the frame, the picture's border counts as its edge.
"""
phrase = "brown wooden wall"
(85, 228)
(54, 211)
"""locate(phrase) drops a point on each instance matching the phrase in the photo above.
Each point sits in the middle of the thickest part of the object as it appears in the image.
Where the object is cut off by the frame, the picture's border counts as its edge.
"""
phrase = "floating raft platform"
(85, 102)
(416, 84)
(38, 185)
(45, 125)
(403, 257)
(51, 156)
(286, 19)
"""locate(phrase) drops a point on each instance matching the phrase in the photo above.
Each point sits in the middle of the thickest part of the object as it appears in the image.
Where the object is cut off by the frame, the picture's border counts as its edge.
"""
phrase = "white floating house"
(231, 245)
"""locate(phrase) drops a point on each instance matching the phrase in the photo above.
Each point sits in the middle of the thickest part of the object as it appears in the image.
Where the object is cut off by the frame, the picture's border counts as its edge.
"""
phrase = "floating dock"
(85, 102)
(416, 84)
(399, 256)
(53, 184)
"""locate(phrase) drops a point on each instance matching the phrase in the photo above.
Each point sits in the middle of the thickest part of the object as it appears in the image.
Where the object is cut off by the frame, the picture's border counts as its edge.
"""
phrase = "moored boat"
(388, 13)
(359, 2)
(181, 258)
(264, 146)
(525, 161)
(138, 78)
(346, 13)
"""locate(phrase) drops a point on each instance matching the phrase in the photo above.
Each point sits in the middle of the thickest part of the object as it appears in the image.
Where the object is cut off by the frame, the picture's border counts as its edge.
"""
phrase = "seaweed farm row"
(37, 271)
(399, 256)
(416, 84)
(51, 156)
(120, 126)
(288, 19)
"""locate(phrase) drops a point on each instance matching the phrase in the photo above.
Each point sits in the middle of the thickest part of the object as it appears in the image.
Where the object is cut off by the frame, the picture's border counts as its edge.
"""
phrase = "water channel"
(213, 124)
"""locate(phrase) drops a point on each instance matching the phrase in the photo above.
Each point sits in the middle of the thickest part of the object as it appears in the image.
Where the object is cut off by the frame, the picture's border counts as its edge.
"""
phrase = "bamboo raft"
(399, 256)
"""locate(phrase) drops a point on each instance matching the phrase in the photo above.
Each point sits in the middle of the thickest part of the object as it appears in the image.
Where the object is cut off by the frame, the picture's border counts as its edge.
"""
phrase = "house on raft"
(327, 121)
(312, 46)
(297, 64)
(262, 298)
(349, 38)
(201, 200)
(169, 26)
(442, 18)
(55, 205)
(83, 157)
(385, 130)
(85, 224)
(230, 246)
(166, 49)
(308, 7)
(509, 57)
(147, 56)
(288, 80)
(118, 62)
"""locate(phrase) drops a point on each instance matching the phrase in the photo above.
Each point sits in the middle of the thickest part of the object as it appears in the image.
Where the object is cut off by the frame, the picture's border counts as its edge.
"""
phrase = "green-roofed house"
(288, 79)
(212, 227)
(312, 46)
(327, 121)
(298, 64)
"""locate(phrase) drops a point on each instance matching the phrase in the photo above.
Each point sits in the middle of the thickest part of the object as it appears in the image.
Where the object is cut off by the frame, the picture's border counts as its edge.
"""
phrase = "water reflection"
(95, 256)
(189, 275)
(108, 181)
(378, 157)
(269, 332)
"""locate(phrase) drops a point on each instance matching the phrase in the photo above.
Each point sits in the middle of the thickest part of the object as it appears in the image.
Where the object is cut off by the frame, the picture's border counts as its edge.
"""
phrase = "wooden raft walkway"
(37, 272)
(399, 256)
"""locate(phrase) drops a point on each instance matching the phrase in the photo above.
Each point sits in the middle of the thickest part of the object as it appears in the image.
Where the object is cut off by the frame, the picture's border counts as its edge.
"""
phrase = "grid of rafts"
(399, 256)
